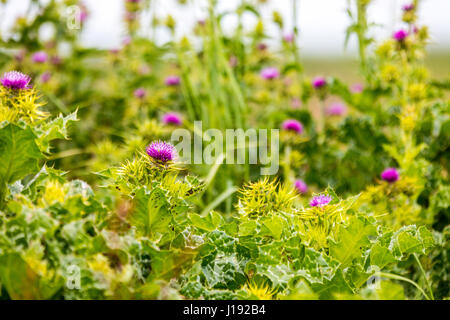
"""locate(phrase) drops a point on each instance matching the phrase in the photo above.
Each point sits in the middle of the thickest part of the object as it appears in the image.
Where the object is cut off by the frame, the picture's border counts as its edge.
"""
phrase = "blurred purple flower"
(336, 109)
(357, 88)
(390, 175)
(400, 35)
(55, 60)
(172, 81)
(233, 61)
(262, 46)
(289, 37)
(320, 201)
(292, 125)
(301, 186)
(296, 103)
(39, 57)
(20, 55)
(144, 69)
(319, 82)
(161, 151)
(126, 41)
(45, 77)
(270, 73)
(172, 118)
(408, 7)
(15, 80)
(140, 93)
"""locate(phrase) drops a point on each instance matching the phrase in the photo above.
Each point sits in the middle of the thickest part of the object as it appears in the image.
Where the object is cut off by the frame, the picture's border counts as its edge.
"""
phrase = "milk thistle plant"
(105, 208)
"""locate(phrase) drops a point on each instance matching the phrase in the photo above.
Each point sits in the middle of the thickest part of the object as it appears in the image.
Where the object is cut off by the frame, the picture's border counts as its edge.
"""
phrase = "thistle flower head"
(408, 7)
(270, 73)
(296, 103)
(319, 82)
(15, 80)
(172, 81)
(293, 125)
(390, 175)
(262, 46)
(140, 93)
(336, 109)
(289, 37)
(161, 151)
(320, 201)
(400, 35)
(45, 77)
(172, 118)
(357, 88)
(301, 186)
(39, 57)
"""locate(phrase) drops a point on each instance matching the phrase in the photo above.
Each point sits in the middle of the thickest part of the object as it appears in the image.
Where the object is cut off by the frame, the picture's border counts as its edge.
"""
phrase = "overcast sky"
(322, 22)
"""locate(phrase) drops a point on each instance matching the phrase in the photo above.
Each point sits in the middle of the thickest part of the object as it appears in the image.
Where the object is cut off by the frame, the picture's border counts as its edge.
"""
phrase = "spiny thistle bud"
(390, 175)
(423, 34)
(161, 151)
(417, 91)
(278, 19)
(293, 125)
(390, 73)
(170, 22)
(320, 201)
(259, 29)
(15, 80)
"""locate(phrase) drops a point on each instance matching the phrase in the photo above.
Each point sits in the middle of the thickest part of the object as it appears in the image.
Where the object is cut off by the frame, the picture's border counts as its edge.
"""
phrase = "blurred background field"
(347, 68)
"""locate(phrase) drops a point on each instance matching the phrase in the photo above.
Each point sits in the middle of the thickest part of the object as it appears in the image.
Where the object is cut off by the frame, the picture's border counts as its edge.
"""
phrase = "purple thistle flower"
(296, 103)
(262, 46)
(130, 16)
(390, 175)
(15, 80)
(289, 37)
(233, 61)
(336, 109)
(39, 57)
(126, 41)
(20, 55)
(56, 60)
(140, 93)
(161, 151)
(408, 7)
(172, 81)
(357, 88)
(270, 73)
(320, 201)
(292, 125)
(400, 35)
(301, 186)
(319, 82)
(45, 77)
(172, 118)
